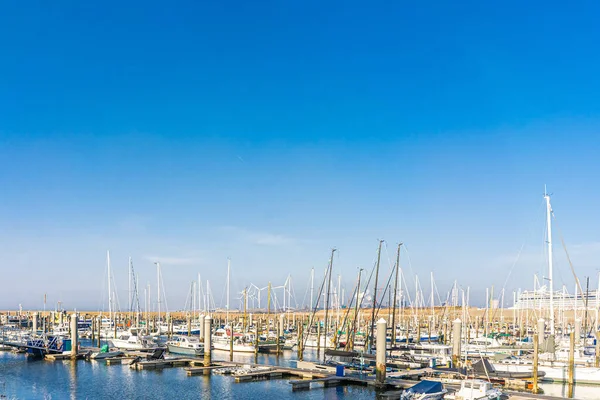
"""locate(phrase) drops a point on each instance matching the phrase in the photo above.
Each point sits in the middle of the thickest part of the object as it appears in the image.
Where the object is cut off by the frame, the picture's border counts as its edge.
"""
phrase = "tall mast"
(312, 286)
(339, 298)
(199, 295)
(328, 277)
(109, 288)
(375, 295)
(227, 306)
(129, 288)
(207, 303)
(395, 296)
(551, 281)
(284, 293)
(356, 307)
(158, 284)
(432, 298)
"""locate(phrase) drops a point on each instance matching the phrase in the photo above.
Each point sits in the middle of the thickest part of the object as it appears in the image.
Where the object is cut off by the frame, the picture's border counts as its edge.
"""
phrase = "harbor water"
(23, 377)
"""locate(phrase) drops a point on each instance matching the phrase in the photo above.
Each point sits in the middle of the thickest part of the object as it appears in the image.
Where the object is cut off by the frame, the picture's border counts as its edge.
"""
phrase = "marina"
(300, 200)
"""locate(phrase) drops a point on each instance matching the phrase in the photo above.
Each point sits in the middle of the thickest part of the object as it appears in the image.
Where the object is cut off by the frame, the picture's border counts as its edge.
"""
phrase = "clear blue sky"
(269, 132)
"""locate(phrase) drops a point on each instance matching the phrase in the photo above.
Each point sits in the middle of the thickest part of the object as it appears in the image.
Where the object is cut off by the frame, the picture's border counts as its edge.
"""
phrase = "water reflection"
(25, 378)
(72, 369)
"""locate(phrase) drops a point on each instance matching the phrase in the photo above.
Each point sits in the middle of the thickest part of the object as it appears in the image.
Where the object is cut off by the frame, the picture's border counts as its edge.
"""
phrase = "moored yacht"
(187, 345)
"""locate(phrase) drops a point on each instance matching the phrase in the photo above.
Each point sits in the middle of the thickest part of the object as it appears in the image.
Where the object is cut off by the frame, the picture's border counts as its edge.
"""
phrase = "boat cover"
(483, 366)
(426, 387)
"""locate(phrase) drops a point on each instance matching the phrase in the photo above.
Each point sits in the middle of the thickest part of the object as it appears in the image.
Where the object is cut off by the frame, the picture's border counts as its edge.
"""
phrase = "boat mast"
(227, 306)
(158, 291)
(550, 280)
(109, 288)
(129, 288)
(432, 297)
(395, 296)
(199, 296)
(328, 277)
(312, 286)
(375, 296)
(338, 298)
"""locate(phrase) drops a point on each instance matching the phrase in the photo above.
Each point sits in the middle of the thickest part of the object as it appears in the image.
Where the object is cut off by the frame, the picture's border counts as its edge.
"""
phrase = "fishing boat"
(187, 345)
(47, 344)
(424, 390)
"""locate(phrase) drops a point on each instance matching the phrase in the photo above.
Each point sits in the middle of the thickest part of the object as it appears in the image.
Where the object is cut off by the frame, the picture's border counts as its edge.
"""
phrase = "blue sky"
(271, 132)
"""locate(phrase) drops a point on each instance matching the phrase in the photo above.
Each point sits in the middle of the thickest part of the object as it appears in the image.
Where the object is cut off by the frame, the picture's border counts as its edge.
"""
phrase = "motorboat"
(132, 339)
(187, 345)
(105, 353)
(476, 389)
(242, 343)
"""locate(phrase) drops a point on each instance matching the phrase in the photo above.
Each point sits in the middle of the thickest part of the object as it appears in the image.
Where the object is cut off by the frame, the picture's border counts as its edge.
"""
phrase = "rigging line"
(314, 311)
(562, 240)
(384, 293)
(409, 262)
(508, 277)
(345, 320)
(306, 293)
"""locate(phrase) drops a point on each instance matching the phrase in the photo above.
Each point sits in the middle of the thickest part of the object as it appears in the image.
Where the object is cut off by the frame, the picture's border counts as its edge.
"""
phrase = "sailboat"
(553, 364)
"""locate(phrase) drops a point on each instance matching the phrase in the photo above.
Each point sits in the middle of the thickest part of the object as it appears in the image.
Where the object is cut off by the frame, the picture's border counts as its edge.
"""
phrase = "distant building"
(540, 299)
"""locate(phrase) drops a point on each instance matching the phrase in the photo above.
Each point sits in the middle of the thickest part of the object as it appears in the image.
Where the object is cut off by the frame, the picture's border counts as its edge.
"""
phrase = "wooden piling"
(279, 341)
(380, 351)
(535, 363)
(257, 323)
(99, 324)
(597, 362)
(74, 337)
(300, 342)
(230, 343)
(571, 376)
(207, 342)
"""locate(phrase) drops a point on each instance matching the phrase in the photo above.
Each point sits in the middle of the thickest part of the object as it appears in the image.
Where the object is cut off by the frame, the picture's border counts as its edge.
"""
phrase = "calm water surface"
(22, 377)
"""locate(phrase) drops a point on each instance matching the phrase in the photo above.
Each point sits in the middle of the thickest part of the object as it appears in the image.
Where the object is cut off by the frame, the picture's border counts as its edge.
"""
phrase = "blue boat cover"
(426, 387)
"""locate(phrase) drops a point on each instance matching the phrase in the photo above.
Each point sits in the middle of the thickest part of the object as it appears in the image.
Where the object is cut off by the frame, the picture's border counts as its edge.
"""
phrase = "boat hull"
(188, 351)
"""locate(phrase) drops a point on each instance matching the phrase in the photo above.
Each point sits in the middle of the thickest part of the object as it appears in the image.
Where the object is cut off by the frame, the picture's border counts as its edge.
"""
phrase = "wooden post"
(571, 363)
(189, 325)
(318, 337)
(380, 351)
(300, 343)
(257, 323)
(597, 349)
(456, 333)
(231, 343)
(93, 330)
(446, 332)
(74, 337)
(207, 342)
(99, 323)
(35, 323)
(535, 363)
(278, 341)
